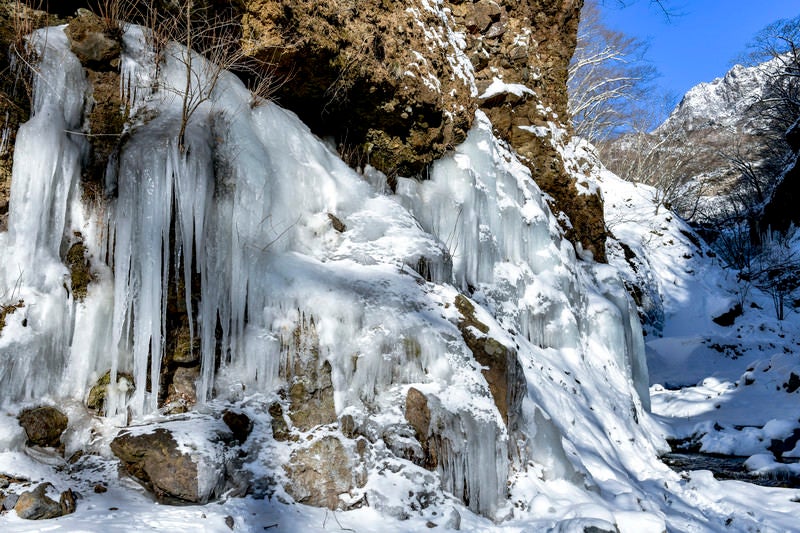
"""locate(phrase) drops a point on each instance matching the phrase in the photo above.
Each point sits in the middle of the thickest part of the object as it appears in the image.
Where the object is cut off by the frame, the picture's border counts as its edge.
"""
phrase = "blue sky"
(701, 43)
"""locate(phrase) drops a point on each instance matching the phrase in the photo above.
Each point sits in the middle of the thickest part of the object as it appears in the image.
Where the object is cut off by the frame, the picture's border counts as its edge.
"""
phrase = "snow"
(725, 388)
(498, 86)
(245, 205)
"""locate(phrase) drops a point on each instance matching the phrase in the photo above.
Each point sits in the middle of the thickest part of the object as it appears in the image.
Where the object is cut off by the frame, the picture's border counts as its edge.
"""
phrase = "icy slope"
(409, 292)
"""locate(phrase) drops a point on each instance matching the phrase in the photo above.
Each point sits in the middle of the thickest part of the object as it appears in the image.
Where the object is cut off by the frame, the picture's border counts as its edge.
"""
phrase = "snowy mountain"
(726, 102)
(232, 319)
(722, 150)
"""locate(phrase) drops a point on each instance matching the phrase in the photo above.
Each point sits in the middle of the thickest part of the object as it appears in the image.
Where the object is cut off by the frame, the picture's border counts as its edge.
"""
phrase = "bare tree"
(608, 77)
(666, 159)
(209, 43)
(778, 43)
(776, 271)
(662, 6)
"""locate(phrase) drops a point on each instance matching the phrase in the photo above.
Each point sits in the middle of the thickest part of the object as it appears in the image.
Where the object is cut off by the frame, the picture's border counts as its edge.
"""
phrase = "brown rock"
(43, 425)
(239, 423)
(481, 15)
(67, 502)
(280, 431)
(154, 460)
(337, 224)
(502, 369)
(347, 425)
(418, 415)
(531, 42)
(36, 505)
(182, 392)
(319, 473)
(91, 41)
(352, 73)
(310, 390)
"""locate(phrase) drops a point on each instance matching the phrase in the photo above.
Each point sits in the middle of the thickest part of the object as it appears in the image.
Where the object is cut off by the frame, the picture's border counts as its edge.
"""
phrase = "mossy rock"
(98, 393)
(79, 270)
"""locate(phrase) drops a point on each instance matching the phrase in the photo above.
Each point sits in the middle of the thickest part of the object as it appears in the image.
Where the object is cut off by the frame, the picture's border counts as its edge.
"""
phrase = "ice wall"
(484, 205)
(47, 164)
(245, 204)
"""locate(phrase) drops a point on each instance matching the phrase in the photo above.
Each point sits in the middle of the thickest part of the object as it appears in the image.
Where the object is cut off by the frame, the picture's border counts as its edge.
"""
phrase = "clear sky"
(701, 43)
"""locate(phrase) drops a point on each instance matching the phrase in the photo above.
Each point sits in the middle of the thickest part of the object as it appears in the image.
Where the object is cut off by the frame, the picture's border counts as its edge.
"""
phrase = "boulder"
(43, 425)
(173, 476)
(37, 505)
(239, 423)
(319, 473)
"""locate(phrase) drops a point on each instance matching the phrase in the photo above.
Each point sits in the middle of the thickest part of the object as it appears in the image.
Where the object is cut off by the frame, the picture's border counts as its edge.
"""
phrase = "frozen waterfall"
(240, 219)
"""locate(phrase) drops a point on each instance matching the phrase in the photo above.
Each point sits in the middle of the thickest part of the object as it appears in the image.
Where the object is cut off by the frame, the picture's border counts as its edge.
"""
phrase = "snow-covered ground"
(584, 453)
(727, 388)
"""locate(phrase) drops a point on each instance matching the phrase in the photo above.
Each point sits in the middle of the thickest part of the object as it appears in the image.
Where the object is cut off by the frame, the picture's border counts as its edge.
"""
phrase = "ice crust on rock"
(245, 207)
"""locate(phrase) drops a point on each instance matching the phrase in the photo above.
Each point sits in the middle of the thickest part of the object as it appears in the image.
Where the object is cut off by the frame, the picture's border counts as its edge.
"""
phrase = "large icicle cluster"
(47, 167)
(245, 203)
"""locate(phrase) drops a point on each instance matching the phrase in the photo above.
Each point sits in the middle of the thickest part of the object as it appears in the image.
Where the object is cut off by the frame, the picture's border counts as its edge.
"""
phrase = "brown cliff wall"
(396, 84)
(387, 80)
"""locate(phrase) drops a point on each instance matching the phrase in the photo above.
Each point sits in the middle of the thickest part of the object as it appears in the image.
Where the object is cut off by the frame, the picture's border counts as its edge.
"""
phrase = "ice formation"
(244, 204)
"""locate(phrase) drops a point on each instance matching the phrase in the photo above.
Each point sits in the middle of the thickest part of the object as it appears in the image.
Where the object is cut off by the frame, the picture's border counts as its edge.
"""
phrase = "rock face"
(530, 43)
(397, 83)
(366, 72)
(43, 425)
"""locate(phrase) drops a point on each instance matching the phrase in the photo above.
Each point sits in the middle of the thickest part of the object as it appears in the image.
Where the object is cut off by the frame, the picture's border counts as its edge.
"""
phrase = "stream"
(728, 467)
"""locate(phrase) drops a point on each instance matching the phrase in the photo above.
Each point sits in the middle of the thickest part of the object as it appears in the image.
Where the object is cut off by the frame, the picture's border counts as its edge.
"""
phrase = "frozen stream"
(730, 467)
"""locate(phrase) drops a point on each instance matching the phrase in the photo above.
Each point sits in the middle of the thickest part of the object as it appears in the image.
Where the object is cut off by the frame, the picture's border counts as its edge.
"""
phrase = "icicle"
(45, 173)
